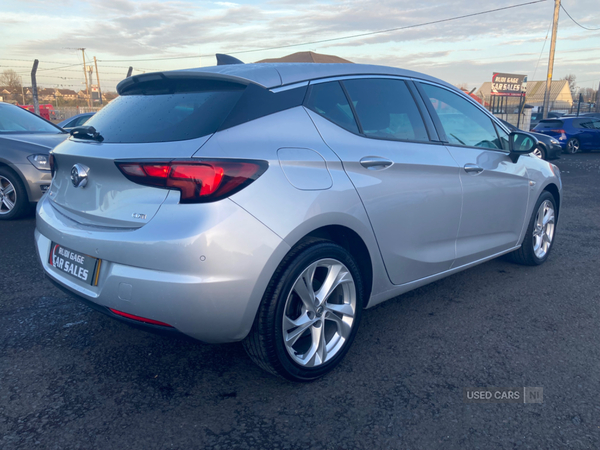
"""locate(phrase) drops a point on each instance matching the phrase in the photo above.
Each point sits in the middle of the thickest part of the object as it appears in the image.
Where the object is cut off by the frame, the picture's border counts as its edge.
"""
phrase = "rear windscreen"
(549, 124)
(164, 117)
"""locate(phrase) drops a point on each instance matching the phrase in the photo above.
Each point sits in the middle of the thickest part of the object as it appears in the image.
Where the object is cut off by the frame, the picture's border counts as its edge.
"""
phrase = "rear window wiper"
(89, 133)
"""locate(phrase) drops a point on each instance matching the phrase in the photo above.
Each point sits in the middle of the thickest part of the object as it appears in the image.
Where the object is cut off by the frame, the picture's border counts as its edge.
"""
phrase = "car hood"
(24, 140)
(541, 137)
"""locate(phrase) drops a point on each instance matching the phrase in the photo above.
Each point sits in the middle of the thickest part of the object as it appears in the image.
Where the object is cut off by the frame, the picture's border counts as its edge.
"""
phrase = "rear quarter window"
(329, 101)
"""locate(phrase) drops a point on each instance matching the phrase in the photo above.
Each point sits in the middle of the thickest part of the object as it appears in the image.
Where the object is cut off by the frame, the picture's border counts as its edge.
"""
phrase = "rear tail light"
(199, 181)
(558, 131)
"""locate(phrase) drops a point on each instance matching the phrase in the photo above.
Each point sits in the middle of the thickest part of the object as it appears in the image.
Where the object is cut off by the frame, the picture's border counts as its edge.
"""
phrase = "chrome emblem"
(79, 175)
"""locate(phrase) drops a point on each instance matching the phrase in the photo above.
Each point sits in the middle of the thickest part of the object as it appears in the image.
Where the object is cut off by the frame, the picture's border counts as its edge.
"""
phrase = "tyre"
(573, 146)
(309, 314)
(13, 196)
(539, 152)
(539, 236)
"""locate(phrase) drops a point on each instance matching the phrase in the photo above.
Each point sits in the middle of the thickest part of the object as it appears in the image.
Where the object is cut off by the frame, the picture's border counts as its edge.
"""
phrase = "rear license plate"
(77, 265)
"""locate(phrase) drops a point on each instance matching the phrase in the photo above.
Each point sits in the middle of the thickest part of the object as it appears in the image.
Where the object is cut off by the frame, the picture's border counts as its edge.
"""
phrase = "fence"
(65, 112)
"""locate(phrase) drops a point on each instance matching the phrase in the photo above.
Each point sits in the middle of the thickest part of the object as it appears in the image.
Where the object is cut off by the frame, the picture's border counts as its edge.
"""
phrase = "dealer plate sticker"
(77, 265)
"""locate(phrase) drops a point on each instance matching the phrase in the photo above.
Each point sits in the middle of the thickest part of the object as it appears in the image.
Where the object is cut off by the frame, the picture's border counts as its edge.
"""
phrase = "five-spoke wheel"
(13, 196)
(540, 233)
(319, 313)
(543, 230)
(573, 146)
(310, 313)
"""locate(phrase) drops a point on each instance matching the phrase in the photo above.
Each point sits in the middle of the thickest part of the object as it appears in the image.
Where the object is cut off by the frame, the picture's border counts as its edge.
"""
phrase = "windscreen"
(17, 120)
(165, 117)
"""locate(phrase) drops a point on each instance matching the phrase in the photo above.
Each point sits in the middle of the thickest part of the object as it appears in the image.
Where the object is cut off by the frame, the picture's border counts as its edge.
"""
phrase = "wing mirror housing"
(521, 143)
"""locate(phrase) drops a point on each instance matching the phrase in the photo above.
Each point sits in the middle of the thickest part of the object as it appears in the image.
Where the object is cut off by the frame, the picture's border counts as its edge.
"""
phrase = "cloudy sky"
(143, 33)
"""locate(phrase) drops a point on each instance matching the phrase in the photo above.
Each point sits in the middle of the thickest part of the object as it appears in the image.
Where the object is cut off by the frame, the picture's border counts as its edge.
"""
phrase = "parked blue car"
(574, 133)
(75, 121)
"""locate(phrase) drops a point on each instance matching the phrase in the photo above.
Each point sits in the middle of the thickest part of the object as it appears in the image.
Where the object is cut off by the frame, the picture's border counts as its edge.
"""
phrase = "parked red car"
(46, 110)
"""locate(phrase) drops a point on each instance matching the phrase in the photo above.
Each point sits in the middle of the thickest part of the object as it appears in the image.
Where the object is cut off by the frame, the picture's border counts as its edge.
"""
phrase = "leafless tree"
(11, 80)
(589, 94)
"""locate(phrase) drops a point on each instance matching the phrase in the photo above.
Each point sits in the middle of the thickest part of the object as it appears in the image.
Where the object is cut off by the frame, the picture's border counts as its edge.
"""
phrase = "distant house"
(67, 94)
(306, 57)
(560, 94)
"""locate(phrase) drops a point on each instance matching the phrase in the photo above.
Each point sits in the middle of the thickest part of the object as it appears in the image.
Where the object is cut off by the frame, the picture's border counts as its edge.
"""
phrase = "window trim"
(438, 123)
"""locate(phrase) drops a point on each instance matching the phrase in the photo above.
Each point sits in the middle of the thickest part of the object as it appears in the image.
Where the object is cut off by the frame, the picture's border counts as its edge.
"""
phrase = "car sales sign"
(508, 84)
(75, 264)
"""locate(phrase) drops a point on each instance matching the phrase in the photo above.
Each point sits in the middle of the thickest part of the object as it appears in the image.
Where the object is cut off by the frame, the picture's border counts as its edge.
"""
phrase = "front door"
(495, 190)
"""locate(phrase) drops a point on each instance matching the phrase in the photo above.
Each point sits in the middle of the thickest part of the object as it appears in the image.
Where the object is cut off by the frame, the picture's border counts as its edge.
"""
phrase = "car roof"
(273, 75)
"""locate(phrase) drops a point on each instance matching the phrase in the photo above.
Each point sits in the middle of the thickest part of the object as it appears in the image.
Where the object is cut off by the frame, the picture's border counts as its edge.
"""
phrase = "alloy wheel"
(543, 229)
(319, 313)
(573, 146)
(538, 152)
(8, 195)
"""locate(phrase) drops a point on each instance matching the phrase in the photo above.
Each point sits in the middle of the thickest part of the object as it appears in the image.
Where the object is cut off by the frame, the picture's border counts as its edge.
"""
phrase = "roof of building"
(272, 75)
(306, 57)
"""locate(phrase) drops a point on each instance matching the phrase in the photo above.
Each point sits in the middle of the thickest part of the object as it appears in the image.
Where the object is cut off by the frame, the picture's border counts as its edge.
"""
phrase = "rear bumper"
(157, 329)
(36, 181)
(202, 269)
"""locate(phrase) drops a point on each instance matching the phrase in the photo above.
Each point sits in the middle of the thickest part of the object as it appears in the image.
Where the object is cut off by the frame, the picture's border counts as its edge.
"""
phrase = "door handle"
(472, 168)
(375, 162)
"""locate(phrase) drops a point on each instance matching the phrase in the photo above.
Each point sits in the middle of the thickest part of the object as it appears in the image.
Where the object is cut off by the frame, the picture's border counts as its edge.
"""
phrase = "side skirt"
(403, 288)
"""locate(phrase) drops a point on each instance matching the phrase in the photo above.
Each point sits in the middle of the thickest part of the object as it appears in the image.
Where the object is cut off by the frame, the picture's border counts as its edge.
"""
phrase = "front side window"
(386, 109)
(464, 123)
(329, 101)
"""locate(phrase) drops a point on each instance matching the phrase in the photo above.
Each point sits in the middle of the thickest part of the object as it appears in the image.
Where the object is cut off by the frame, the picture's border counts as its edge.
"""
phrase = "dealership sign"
(508, 84)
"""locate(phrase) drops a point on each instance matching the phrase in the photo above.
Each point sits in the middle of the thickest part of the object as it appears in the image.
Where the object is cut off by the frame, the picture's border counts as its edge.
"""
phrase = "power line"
(371, 33)
(541, 53)
(577, 23)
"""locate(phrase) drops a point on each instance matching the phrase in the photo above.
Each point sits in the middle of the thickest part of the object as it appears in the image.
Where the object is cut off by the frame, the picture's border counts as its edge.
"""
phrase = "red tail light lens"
(199, 181)
(558, 131)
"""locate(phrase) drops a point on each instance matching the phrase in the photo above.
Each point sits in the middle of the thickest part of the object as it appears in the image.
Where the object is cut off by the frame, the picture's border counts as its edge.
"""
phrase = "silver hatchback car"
(272, 203)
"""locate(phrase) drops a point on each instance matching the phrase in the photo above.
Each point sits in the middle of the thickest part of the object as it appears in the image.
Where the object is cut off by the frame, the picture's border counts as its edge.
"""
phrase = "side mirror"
(521, 143)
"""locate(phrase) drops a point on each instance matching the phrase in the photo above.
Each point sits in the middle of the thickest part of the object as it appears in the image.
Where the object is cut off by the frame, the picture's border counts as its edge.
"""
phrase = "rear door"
(495, 190)
(409, 186)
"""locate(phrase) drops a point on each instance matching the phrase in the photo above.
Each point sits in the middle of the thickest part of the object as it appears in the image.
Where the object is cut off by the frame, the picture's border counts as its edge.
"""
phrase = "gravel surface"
(71, 378)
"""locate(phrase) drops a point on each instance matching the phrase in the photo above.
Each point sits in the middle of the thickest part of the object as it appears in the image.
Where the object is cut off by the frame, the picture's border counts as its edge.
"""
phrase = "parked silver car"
(25, 142)
(271, 203)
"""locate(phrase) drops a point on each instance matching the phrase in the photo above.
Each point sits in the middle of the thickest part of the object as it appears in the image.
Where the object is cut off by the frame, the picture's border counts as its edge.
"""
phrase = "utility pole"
(551, 59)
(98, 79)
(36, 104)
(87, 86)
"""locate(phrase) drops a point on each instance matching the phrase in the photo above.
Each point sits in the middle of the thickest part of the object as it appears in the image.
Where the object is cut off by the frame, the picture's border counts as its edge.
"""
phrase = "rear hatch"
(550, 127)
(154, 119)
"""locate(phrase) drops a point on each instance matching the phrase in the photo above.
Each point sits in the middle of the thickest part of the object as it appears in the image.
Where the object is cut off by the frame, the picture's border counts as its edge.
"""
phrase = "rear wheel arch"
(351, 241)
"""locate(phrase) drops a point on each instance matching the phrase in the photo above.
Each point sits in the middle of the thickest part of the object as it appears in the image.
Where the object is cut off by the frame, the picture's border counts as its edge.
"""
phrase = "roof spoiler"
(224, 60)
